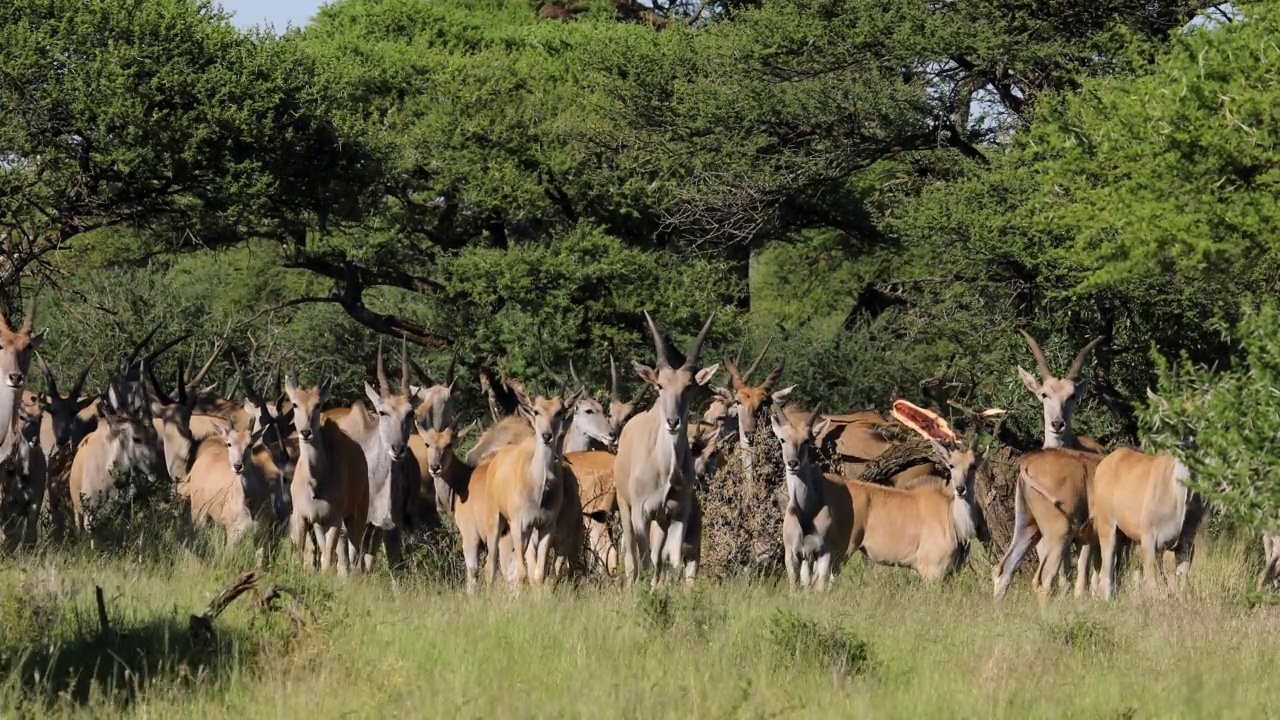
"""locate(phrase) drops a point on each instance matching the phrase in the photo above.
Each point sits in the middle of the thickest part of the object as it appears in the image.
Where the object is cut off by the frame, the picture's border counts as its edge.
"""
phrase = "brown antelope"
(122, 441)
(1145, 498)
(477, 521)
(654, 470)
(435, 412)
(330, 487)
(228, 484)
(382, 440)
(807, 527)
(526, 488)
(591, 474)
(22, 481)
(927, 528)
(1051, 494)
(15, 360)
(748, 400)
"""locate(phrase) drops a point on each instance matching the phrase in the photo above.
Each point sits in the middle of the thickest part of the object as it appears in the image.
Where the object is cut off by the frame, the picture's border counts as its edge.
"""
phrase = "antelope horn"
(773, 376)
(404, 366)
(422, 374)
(150, 359)
(194, 381)
(755, 365)
(133, 354)
(614, 394)
(573, 374)
(659, 344)
(1041, 363)
(48, 376)
(735, 377)
(30, 318)
(1077, 365)
(180, 388)
(249, 390)
(161, 395)
(691, 357)
(813, 416)
(79, 386)
(384, 387)
(449, 377)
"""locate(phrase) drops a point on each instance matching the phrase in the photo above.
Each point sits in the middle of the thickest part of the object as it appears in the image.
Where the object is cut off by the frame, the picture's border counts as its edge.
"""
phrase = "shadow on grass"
(50, 656)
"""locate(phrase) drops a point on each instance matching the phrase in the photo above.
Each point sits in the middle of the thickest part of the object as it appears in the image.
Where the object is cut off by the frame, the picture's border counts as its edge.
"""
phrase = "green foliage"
(1223, 424)
(802, 640)
(1174, 169)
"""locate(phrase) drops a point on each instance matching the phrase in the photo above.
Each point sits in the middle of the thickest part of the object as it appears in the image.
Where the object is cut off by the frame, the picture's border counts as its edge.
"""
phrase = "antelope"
(330, 486)
(477, 521)
(654, 469)
(121, 441)
(927, 528)
(591, 476)
(22, 481)
(382, 440)
(1145, 498)
(1051, 496)
(525, 485)
(808, 532)
(435, 412)
(15, 360)
(749, 400)
(228, 484)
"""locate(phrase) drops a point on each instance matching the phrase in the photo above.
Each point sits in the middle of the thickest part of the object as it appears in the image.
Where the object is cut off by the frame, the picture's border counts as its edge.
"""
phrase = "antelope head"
(435, 400)
(395, 410)
(962, 466)
(1057, 395)
(135, 433)
(675, 383)
(705, 447)
(306, 408)
(589, 415)
(64, 410)
(30, 415)
(16, 349)
(620, 411)
(239, 447)
(747, 400)
(547, 415)
(440, 444)
(797, 442)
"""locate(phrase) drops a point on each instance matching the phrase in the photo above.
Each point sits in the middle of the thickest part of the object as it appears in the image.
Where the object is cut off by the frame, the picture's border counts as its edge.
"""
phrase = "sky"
(279, 13)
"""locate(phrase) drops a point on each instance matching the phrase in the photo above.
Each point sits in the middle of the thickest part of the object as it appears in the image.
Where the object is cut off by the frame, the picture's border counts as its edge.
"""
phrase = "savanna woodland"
(201, 225)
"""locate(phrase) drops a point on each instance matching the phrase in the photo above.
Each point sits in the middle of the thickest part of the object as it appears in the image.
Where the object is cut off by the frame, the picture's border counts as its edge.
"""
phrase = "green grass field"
(882, 644)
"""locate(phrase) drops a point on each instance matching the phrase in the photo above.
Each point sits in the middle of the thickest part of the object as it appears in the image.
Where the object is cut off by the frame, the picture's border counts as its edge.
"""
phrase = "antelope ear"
(821, 428)
(1031, 381)
(783, 393)
(373, 395)
(463, 432)
(646, 373)
(38, 338)
(942, 451)
(705, 374)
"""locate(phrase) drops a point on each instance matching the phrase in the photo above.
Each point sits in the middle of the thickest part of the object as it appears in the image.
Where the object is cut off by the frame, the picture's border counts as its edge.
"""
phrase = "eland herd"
(537, 494)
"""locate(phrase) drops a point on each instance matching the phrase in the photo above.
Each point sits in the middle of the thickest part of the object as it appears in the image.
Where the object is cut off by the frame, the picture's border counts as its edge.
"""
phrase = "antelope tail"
(1061, 507)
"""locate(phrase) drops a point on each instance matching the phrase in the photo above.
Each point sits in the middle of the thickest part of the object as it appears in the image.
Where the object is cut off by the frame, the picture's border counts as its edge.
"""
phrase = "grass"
(881, 644)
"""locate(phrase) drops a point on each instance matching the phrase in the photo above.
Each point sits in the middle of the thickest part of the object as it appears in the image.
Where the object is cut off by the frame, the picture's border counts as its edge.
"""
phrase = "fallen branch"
(202, 625)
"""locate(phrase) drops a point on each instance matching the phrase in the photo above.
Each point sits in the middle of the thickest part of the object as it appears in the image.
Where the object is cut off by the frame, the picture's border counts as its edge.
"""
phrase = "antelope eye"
(590, 411)
(1044, 396)
(383, 413)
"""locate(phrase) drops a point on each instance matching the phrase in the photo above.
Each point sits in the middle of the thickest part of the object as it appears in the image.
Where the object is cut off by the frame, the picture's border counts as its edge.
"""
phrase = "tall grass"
(881, 644)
